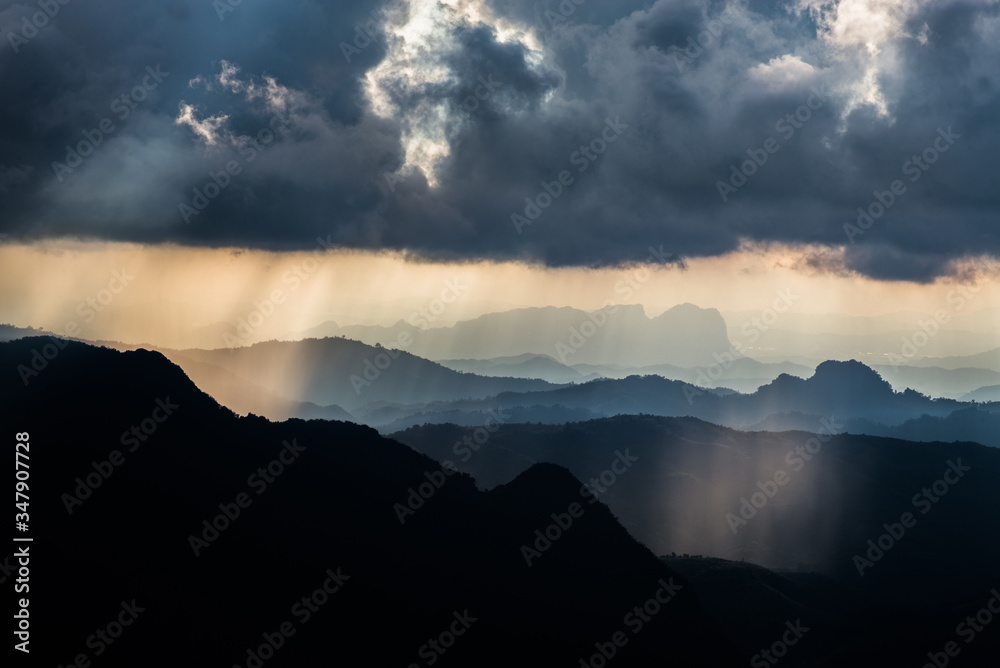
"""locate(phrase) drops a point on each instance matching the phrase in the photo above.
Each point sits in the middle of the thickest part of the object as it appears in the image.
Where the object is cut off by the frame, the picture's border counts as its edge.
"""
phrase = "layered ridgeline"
(570, 345)
(687, 343)
(849, 393)
(685, 335)
(392, 389)
(809, 619)
(230, 539)
(794, 500)
(331, 379)
(904, 337)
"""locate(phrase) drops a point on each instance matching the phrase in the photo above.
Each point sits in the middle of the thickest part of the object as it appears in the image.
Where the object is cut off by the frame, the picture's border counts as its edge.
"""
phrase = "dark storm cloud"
(315, 149)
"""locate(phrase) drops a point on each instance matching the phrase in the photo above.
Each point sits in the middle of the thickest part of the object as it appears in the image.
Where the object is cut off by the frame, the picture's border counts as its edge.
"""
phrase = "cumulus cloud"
(425, 126)
(783, 72)
(209, 129)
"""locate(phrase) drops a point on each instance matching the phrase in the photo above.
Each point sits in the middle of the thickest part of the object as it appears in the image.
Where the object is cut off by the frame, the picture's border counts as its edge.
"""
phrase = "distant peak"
(688, 306)
(852, 371)
(689, 309)
(631, 309)
(544, 478)
(832, 367)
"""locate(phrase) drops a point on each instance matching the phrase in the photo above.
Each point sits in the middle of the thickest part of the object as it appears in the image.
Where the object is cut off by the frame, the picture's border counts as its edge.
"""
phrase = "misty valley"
(626, 509)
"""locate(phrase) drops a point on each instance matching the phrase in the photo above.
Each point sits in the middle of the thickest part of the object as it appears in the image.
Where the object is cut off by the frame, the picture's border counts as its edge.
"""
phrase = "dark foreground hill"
(784, 500)
(832, 623)
(168, 531)
(885, 548)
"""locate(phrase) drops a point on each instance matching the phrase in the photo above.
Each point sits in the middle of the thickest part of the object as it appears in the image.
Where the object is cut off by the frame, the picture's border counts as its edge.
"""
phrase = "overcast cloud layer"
(424, 126)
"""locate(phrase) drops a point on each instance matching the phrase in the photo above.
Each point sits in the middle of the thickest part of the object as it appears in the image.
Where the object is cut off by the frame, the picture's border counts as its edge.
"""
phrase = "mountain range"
(310, 535)
(393, 389)
(297, 525)
(684, 335)
(686, 488)
(847, 394)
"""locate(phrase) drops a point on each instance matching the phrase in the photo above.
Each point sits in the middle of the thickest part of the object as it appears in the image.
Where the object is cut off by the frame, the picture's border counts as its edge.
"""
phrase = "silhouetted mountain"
(10, 332)
(841, 623)
(845, 390)
(990, 393)
(987, 360)
(392, 420)
(690, 475)
(157, 464)
(370, 334)
(346, 373)
(685, 336)
(743, 374)
(244, 397)
(528, 365)
(969, 424)
(980, 424)
(938, 382)
(870, 339)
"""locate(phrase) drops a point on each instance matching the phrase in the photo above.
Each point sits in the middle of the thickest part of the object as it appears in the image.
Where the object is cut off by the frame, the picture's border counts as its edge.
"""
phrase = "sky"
(847, 147)
(176, 296)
